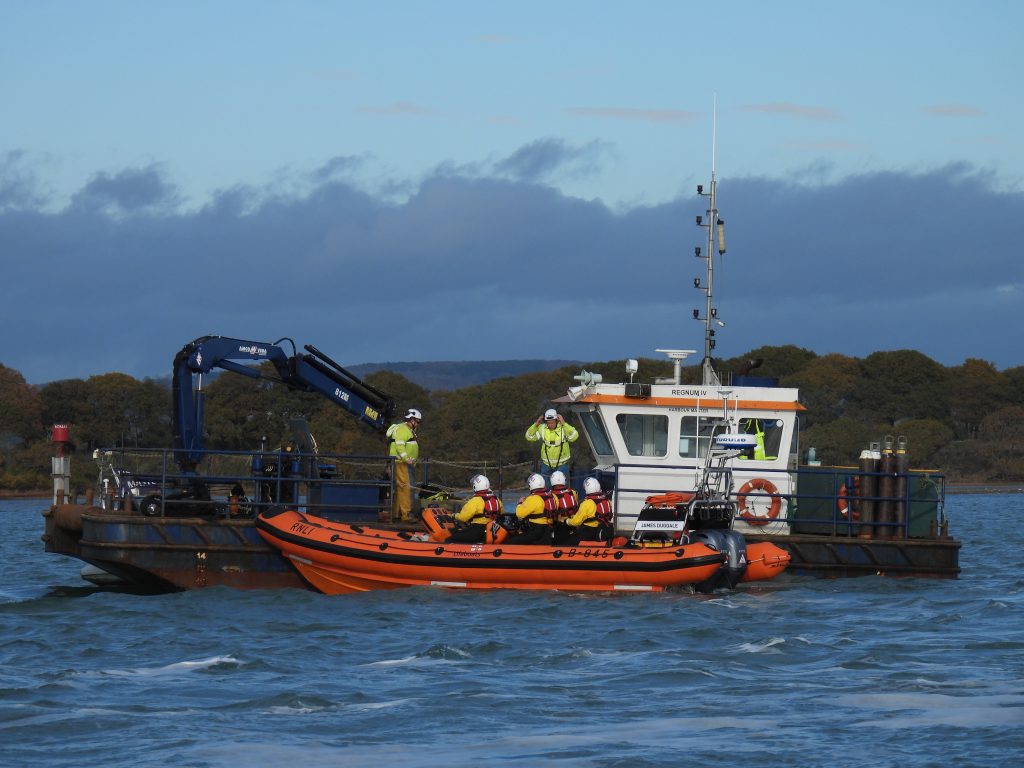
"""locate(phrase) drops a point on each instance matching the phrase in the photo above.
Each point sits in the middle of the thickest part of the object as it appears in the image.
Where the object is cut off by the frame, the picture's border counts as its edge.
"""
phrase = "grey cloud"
(464, 267)
(542, 158)
(19, 185)
(130, 190)
(338, 167)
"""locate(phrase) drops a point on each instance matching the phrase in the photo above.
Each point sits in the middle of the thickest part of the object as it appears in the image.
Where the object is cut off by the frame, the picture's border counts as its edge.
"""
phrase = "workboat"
(681, 540)
(878, 517)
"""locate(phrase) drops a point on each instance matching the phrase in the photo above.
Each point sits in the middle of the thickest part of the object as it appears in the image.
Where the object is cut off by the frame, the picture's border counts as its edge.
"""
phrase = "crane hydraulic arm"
(312, 371)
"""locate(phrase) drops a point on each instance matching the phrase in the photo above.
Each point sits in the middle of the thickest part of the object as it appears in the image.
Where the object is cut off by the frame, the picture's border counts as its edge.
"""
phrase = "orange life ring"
(843, 503)
(768, 487)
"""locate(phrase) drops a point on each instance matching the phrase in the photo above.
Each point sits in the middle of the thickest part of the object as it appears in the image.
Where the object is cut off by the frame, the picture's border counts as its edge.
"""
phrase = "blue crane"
(312, 371)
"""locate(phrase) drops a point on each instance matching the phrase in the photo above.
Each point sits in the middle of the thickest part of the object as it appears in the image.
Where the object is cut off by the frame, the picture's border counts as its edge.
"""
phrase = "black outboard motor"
(711, 524)
(734, 547)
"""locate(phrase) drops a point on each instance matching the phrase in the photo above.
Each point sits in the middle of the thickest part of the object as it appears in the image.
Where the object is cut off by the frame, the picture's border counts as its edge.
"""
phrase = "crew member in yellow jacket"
(535, 513)
(483, 507)
(405, 450)
(593, 521)
(554, 434)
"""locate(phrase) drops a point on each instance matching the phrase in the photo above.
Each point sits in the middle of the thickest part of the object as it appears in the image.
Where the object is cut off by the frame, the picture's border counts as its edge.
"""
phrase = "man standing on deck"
(555, 435)
(405, 450)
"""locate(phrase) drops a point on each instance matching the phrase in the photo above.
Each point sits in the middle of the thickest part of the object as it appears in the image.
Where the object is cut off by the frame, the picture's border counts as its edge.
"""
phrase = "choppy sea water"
(795, 672)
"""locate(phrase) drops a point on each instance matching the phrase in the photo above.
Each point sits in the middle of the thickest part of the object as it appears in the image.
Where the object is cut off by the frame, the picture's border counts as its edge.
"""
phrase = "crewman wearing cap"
(554, 435)
(405, 450)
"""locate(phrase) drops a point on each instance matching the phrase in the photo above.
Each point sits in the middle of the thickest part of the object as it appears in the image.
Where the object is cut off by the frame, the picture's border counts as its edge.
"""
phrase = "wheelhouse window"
(768, 434)
(644, 435)
(595, 431)
(695, 435)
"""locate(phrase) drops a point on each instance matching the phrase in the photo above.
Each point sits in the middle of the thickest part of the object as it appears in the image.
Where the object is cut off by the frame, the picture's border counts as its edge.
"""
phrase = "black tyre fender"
(151, 505)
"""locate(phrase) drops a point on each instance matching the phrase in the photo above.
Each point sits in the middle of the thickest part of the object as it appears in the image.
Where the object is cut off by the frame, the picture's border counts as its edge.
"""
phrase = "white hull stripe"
(635, 587)
(447, 583)
(302, 560)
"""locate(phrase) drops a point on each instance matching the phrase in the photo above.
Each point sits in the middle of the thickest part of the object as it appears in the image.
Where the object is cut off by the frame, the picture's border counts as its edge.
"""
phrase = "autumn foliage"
(967, 420)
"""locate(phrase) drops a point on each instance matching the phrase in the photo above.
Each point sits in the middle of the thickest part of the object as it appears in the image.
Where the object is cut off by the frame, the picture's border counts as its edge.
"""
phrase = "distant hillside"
(451, 375)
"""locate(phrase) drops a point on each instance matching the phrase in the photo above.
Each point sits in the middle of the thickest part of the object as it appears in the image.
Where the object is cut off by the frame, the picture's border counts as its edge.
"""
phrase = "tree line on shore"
(966, 420)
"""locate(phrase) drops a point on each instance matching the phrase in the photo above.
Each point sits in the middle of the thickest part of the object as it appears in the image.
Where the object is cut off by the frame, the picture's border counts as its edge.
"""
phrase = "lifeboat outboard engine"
(734, 547)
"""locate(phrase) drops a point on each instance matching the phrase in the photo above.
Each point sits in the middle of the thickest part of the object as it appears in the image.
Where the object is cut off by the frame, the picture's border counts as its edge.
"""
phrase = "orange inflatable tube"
(338, 558)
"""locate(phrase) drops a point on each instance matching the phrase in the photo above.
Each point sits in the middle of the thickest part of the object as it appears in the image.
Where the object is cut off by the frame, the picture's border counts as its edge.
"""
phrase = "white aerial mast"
(716, 240)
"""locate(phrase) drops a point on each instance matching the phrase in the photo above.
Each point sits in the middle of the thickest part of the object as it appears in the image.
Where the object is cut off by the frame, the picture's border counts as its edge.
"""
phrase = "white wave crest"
(173, 669)
(761, 647)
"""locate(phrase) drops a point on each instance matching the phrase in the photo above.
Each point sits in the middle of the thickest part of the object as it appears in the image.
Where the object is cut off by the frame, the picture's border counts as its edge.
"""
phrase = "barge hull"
(837, 556)
(172, 554)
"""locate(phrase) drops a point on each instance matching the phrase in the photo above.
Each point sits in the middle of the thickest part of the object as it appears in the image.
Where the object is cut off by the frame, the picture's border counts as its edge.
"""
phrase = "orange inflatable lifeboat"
(340, 558)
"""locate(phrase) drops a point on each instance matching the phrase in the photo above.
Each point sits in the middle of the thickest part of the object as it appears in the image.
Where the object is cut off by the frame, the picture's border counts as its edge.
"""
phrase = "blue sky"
(465, 180)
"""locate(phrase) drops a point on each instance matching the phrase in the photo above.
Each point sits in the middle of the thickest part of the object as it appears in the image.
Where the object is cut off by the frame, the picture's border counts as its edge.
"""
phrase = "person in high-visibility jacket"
(405, 450)
(755, 428)
(535, 513)
(483, 507)
(554, 434)
(593, 520)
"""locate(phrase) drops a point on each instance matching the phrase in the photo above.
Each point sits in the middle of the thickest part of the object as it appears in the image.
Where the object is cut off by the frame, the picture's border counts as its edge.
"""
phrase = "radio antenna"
(715, 241)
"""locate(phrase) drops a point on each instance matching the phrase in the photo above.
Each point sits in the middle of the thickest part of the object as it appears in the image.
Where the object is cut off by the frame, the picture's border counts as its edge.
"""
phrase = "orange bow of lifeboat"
(339, 558)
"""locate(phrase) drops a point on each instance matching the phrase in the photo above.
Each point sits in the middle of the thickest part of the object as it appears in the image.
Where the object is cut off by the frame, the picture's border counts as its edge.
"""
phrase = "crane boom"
(309, 372)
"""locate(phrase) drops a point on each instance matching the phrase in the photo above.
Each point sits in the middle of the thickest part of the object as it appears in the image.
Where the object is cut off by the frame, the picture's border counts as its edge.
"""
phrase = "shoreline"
(951, 488)
(985, 488)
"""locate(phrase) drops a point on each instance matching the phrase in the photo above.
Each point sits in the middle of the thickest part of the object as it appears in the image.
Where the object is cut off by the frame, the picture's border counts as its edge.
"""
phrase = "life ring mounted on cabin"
(767, 488)
(844, 496)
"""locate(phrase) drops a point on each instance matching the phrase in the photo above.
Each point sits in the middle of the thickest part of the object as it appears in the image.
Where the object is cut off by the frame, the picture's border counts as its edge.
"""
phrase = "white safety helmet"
(558, 478)
(412, 413)
(480, 483)
(591, 486)
(535, 481)
(550, 413)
